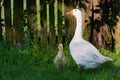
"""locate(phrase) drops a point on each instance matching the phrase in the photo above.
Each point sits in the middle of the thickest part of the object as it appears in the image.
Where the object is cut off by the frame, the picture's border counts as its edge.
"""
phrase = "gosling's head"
(60, 46)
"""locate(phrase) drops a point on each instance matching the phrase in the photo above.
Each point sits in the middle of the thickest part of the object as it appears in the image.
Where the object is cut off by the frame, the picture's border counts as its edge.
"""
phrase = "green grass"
(37, 64)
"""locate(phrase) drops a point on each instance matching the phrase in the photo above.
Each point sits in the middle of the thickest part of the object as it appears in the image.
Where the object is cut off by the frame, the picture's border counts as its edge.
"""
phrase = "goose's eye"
(75, 10)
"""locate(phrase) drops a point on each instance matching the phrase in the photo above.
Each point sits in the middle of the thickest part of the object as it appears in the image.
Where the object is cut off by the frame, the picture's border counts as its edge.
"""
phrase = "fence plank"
(63, 22)
(31, 19)
(56, 19)
(52, 28)
(0, 22)
(48, 21)
(18, 22)
(8, 23)
(38, 19)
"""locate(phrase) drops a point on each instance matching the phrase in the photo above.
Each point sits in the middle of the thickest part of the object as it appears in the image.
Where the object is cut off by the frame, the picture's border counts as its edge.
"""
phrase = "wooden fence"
(33, 21)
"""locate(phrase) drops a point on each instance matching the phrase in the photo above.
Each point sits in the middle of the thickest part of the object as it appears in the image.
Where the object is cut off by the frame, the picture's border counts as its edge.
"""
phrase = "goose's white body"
(83, 52)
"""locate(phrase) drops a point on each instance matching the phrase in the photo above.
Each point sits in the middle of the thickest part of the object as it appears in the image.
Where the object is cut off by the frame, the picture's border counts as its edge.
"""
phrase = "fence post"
(63, 22)
(8, 23)
(56, 20)
(26, 38)
(18, 23)
(0, 21)
(48, 21)
(31, 20)
(12, 9)
(38, 19)
(25, 27)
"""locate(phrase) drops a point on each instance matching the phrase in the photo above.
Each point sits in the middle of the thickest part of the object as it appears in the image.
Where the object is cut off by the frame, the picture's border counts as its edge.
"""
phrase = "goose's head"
(74, 12)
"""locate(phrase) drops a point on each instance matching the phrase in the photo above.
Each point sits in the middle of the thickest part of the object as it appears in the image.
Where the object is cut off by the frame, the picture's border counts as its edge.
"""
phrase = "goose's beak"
(70, 12)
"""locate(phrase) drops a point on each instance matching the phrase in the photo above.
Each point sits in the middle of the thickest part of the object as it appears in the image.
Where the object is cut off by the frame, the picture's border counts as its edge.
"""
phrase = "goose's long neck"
(78, 31)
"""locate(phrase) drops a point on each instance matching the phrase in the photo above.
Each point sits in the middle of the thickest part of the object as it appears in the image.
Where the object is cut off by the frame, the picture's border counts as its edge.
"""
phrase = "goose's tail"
(108, 59)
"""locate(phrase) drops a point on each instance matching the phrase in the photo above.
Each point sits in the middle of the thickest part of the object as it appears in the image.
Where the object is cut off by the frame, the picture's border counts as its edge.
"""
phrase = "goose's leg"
(81, 69)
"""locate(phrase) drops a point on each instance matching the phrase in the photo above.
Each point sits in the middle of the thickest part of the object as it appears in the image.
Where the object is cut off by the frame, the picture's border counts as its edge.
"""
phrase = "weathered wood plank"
(0, 22)
(8, 25)
(31, 19)
(18, 22)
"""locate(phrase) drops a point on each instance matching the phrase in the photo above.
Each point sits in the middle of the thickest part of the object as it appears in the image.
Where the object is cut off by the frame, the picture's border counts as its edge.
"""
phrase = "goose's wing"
(85, 52)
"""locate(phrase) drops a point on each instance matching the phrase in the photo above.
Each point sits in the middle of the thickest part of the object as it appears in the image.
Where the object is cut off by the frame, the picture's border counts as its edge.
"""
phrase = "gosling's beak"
(70, 12)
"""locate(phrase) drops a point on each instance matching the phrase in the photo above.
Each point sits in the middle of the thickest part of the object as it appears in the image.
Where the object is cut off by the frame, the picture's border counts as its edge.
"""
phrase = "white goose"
(84, 53)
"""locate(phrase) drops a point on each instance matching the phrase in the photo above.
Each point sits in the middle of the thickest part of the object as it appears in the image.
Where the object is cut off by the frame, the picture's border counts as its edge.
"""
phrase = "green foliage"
(114, 10)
